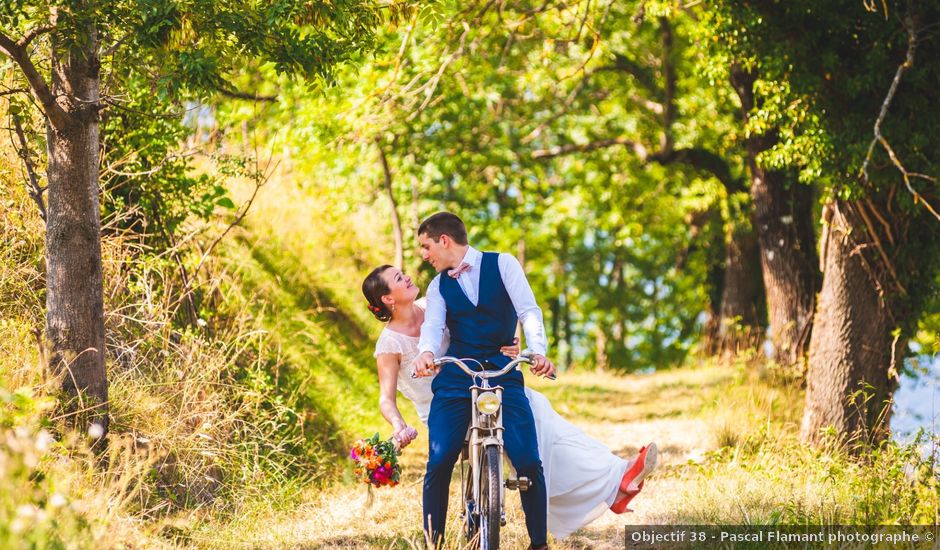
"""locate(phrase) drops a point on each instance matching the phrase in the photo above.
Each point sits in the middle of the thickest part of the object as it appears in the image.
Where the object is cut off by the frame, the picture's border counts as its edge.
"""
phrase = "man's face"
(435, 253)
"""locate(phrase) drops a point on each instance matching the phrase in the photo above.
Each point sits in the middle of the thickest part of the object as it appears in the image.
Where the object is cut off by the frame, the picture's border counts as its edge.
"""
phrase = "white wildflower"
(26, 511)
(95, 431)
(43, 440)
(57, 500)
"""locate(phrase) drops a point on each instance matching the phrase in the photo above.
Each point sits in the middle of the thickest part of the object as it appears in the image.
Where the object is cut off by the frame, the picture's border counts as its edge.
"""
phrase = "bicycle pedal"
(520, 484)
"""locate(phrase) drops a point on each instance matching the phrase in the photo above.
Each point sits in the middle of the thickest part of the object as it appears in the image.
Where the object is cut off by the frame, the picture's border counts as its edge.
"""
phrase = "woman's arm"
(388, 366)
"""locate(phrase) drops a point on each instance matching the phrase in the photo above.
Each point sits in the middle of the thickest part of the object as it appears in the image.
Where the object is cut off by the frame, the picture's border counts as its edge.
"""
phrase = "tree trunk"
(396, 220)
(783, 216)
(783, 220)
(739, 324)
(74, 303)
(852, 348)
(600, 348)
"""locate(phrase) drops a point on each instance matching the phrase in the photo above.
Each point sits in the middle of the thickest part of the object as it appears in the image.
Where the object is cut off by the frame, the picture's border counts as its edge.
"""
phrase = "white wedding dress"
(581, 474)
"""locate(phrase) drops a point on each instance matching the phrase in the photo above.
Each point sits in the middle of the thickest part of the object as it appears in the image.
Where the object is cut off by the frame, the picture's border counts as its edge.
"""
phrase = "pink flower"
(379, 476)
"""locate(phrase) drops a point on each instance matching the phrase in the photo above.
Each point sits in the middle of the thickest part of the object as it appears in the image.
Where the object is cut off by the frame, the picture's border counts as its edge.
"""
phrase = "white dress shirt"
(517, 286)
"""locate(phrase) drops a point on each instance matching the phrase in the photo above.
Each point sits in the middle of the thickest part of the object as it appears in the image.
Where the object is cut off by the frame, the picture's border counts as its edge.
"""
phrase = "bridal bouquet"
(376, 461)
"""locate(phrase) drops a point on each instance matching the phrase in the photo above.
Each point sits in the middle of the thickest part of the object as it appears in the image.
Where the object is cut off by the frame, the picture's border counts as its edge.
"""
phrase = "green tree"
(850, 86)
(72, 56)
(461, 110)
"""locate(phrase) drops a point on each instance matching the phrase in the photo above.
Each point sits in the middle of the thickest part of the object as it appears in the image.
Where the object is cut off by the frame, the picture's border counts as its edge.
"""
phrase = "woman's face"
(400, 288)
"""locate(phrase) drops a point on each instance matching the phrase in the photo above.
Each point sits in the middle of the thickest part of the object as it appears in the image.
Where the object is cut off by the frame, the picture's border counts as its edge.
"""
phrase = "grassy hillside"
(241, 409)
(297, 267)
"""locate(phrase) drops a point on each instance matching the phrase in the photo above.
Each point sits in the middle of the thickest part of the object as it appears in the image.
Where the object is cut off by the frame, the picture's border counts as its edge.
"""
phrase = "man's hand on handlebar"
(424, 365)
(542, 366)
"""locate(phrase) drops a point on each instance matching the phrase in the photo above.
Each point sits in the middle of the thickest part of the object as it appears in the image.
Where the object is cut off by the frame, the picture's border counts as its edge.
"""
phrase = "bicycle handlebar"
(524, 357)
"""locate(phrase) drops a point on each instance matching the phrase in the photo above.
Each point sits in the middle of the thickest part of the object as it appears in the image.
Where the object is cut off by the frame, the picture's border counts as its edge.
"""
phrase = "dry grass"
(729, 456)
(210, 420)
(207, 419)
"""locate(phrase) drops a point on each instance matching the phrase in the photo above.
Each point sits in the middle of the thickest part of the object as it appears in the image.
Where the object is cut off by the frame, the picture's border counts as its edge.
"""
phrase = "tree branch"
(32, 34)
(562, 150)
(390, 194)
(12, 91)
(236, 94)
(705, 160)
(32, 182)
(57, 116)
(696, 157)
(879, 138)
(669, 92)
(643, 76)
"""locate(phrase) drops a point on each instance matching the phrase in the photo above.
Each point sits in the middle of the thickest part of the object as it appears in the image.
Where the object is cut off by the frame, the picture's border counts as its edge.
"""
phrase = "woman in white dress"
(583, 477)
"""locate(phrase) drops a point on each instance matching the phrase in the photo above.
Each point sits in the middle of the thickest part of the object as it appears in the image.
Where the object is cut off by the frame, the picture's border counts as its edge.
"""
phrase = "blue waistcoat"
(478, 331)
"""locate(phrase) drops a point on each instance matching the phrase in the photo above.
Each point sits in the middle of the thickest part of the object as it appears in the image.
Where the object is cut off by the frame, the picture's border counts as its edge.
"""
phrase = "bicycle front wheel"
(490, 504)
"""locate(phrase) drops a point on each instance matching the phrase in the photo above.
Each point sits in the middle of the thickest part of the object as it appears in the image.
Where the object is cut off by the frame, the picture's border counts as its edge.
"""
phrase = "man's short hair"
(444, 223)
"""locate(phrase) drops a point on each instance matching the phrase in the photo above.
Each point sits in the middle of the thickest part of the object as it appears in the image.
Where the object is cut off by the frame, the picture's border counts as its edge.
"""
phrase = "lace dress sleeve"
(387, 344)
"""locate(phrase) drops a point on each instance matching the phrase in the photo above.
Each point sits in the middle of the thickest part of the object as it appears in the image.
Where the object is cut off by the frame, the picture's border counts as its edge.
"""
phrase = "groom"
(479, 297)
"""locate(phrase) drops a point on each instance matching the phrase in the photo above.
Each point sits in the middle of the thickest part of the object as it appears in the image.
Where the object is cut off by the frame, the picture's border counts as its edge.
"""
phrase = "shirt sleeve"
(523, 300)
(435, 319)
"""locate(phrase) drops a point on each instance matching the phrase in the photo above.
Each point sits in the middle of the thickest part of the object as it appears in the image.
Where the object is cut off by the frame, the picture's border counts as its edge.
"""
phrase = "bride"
(582, 475)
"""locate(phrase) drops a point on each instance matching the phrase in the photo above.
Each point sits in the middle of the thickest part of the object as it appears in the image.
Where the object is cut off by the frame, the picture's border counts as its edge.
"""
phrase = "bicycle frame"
(485, 432)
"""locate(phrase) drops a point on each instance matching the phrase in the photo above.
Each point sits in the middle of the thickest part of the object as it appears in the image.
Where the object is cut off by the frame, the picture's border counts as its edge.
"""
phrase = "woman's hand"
(405, 436)
(511, 351)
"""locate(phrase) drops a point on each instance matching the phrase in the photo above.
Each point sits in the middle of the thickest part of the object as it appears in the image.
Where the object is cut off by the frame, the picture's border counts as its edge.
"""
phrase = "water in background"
(917, 401)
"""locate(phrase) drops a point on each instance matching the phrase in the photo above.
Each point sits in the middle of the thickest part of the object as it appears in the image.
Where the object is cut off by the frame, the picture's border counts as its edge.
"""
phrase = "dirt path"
(622, 412)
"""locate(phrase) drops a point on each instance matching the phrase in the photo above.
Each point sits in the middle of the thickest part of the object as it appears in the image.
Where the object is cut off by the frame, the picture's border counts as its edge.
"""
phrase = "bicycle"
(483, 487)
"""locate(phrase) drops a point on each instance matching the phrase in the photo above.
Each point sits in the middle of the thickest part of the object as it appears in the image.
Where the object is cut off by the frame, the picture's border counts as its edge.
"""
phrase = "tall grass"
(232, 410)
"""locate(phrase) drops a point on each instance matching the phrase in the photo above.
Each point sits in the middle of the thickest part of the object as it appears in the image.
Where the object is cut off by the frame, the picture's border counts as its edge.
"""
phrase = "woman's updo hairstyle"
(373, 288)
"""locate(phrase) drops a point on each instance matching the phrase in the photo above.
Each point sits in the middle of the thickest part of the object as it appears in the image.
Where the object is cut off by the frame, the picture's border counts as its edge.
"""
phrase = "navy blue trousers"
(447, 425)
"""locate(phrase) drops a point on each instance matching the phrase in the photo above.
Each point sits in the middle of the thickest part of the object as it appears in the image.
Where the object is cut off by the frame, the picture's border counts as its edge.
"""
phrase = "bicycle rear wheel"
(490, 505)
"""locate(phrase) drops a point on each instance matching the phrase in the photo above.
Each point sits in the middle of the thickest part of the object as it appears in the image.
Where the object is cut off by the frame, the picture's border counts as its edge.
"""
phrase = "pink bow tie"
(462, 268)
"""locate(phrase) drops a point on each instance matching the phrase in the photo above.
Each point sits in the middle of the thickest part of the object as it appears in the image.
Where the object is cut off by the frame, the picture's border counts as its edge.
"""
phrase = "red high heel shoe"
(645, 463)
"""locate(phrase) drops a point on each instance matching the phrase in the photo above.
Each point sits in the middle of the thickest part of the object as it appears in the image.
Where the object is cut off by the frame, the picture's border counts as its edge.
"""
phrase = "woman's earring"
(393, 306)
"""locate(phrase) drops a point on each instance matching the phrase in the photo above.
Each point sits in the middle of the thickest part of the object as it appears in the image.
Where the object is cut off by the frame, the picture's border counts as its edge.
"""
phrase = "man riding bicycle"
(479, 298)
